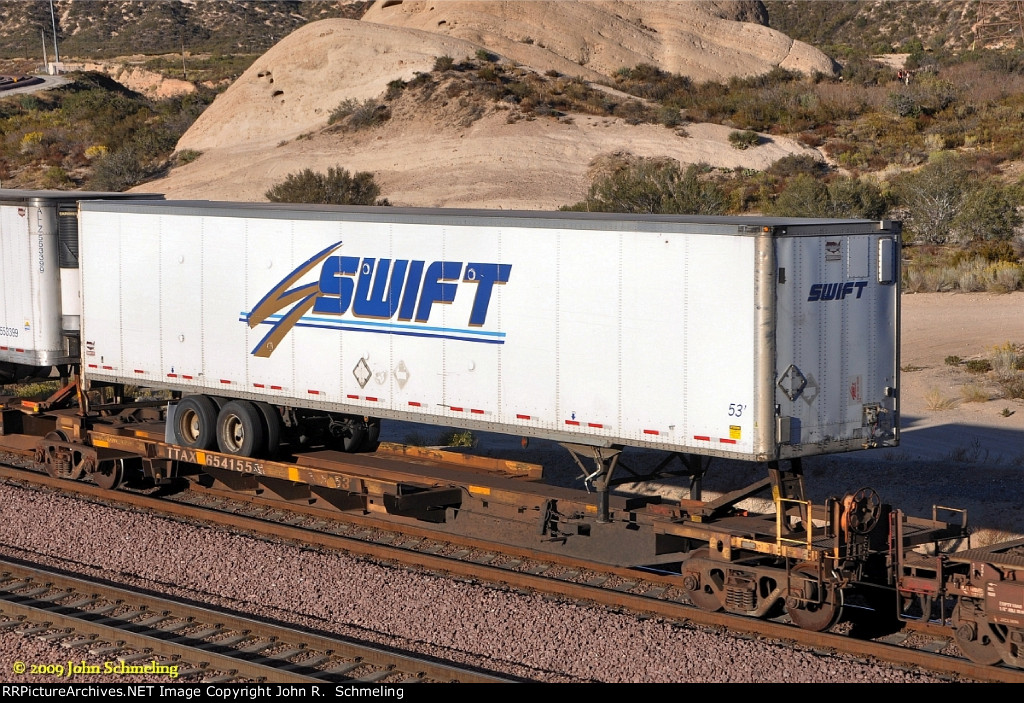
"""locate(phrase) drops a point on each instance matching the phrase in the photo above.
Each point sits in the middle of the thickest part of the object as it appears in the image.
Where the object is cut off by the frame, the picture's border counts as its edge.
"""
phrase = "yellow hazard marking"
(591, 508)
(100, 443)
(735, 432)
(200, 457)
(293, 473)
(480, 490)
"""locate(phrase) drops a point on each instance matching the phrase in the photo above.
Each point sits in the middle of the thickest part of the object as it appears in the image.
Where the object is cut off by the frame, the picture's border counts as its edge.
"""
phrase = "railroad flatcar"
(274, 330)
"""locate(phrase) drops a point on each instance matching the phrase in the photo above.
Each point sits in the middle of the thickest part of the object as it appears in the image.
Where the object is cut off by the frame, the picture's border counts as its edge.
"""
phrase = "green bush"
(978, 365)
(745, 139)
(652, 186)
(336, 187)
(443, 63)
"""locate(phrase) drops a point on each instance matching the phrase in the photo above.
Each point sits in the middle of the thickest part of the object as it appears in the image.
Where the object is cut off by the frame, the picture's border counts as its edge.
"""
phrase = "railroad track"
(645, 592)
(112, 630)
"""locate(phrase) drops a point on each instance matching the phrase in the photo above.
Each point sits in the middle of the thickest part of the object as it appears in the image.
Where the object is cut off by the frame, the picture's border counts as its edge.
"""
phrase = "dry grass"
(935, 400)
(975, 393)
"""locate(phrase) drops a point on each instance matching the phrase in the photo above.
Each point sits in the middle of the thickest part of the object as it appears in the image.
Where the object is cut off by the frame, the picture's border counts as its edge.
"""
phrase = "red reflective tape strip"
(702, 438)
(172, 375)
(522, 417)
(275, 388)
(19, 350)
(594, 424)
(224, 380)
(651, 432)
(108, 368)
(456, 410)
(478, 412)
(727, 441)
(572, 422)
(93, 366)
(139, 371)
(313, 392)
(415, 403)
(352, 397)
(258, 385)
(187, 378)
(372, 399)
(4, 348)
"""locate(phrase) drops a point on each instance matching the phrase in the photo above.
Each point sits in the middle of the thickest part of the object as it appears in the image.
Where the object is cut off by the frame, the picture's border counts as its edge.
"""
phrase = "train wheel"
(240, 429)
(814, 605)
(272, 427)
(109, 474)
(702, 583)
(58, 464)
(976, 640)
(195, 422)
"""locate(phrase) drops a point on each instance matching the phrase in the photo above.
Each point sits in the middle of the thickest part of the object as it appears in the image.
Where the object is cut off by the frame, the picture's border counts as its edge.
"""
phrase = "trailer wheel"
(240, 429)
(195, 422)
(372, 439)
(271, 427)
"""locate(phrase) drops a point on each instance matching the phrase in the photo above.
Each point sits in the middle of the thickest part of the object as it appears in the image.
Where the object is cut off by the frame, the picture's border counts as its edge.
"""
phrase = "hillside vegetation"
(939, 147)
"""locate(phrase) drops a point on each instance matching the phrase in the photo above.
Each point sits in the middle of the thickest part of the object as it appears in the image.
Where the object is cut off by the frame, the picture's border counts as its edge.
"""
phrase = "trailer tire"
(271, 427)
(240, 429)
(195, 422)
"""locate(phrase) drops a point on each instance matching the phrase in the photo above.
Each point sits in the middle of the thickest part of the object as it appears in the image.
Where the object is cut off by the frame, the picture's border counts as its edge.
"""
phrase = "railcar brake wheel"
(702, 585)
(814, 605)
(109, 474)
(976, 639)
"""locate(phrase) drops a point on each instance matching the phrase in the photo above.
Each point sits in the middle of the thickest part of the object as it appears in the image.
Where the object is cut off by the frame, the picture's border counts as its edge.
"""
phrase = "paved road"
(47, 83)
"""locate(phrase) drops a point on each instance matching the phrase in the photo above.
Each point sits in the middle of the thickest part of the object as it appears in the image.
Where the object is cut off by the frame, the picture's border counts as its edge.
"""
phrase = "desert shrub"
(978, 366)
(443, 63)
(359, 115)
(808, 196)
(953, 360)
(120, 170)
(457, 438)
(654, 186)
(933, 197)
(935, 400)
(989, 213)
(485, 56)
(796, 164)
(336, 187)
(744, 139)
(1007, 360)
(974, 393)
(1012, 386)
(187, 156)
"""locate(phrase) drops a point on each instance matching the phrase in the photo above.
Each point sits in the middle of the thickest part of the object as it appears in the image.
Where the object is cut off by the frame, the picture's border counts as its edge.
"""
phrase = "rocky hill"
(91, 29)
(443, 141)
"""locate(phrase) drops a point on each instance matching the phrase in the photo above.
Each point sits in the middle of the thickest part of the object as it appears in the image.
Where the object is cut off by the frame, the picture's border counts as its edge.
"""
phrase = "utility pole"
(56, 54)
(42, 35)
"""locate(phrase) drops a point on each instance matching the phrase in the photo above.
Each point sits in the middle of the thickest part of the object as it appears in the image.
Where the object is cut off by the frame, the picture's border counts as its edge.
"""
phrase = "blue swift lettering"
(390, 296)
(835, 291)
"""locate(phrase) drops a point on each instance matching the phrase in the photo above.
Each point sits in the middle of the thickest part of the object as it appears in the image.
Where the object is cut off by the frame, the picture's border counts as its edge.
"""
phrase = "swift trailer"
(752, 338)
(39, 291)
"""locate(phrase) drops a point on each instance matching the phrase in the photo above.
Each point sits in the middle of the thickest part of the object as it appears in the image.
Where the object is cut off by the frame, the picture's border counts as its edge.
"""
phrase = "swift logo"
(835, 291)
(376, 295)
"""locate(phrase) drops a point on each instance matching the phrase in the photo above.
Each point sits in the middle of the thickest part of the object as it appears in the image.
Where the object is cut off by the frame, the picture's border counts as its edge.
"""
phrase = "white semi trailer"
(751, 338)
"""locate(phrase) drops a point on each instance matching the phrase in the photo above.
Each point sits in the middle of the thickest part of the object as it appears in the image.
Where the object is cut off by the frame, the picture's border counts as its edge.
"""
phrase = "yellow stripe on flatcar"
(480, 490)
